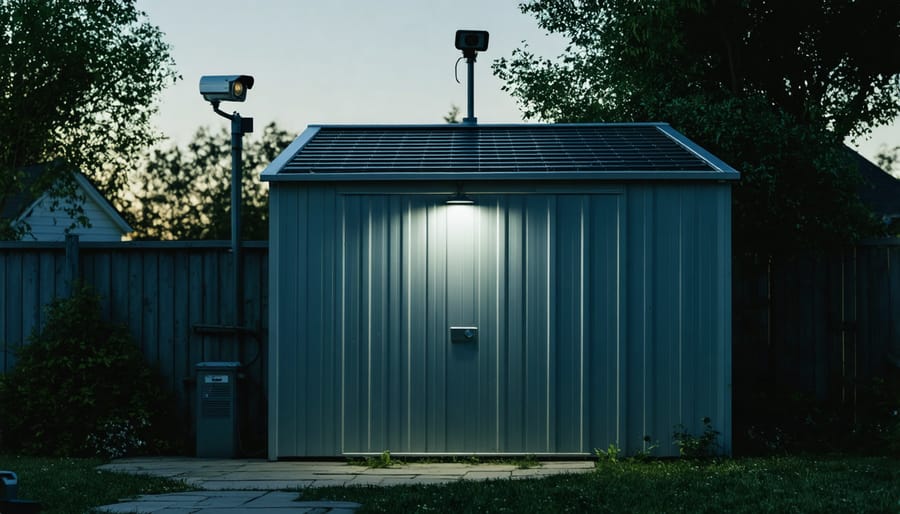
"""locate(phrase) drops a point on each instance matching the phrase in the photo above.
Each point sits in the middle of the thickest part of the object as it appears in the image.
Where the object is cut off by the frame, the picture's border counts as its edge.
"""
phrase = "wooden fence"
(817, 325)
(174, 296)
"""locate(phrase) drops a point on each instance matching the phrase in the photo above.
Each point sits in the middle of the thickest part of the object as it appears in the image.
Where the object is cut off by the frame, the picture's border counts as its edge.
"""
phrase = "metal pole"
(237, 137)
(470, 113)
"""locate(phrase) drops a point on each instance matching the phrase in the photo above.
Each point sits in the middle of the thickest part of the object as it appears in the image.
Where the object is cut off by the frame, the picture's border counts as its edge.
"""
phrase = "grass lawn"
(774, 484)
(74, 486)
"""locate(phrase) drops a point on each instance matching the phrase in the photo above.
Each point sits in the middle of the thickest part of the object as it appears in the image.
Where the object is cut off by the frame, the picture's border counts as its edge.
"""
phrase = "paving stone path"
(232, 486)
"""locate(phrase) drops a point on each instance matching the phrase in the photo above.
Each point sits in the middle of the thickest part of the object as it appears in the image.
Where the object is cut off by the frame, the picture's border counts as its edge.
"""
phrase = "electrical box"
(463, 334)
(9, 485)
(217, 409)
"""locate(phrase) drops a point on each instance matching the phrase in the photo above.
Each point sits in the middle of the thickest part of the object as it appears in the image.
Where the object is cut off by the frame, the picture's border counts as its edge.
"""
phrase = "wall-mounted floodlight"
(471, 42)
(459, 198)
(225, 88)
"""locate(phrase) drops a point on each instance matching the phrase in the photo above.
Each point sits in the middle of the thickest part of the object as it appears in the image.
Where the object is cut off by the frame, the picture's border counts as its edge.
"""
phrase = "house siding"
(602, 314)
(50, 224)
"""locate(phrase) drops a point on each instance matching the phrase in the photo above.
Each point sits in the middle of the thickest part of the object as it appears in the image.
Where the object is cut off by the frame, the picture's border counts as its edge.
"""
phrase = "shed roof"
(489, 152)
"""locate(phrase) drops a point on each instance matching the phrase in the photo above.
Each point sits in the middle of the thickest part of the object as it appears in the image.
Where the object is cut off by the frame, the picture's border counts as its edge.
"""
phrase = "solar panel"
(495, 149)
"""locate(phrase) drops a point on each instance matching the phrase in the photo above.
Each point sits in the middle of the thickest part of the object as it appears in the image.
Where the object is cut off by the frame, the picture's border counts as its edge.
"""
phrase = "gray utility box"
(9, 485)
(217, 409)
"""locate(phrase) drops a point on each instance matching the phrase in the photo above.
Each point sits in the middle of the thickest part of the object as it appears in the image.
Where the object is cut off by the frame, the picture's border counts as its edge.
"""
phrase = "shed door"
(536, 278)
(470, 345)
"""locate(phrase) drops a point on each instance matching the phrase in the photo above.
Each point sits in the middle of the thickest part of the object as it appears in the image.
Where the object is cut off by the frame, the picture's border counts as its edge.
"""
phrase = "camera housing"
(227, 88)
(471, 41)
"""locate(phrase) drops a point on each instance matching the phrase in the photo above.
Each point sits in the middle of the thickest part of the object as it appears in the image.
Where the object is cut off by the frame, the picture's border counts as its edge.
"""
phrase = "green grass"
(75, 486)
(780, 484)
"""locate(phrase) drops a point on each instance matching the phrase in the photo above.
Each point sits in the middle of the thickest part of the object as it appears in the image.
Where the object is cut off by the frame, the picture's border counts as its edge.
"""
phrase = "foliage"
(888, 159)
(527, 461)
(786, 423)
(383, 460)
(186, 193)
(611, 454)
(65, 486)
(771, 88)
(782, 484)
(81, 387)
(646, 452)
(80, 81)
(692, 446)
(452, 115)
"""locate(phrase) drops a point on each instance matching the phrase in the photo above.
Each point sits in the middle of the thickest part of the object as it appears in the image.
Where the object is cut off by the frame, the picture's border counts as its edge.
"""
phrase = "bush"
(81, 387)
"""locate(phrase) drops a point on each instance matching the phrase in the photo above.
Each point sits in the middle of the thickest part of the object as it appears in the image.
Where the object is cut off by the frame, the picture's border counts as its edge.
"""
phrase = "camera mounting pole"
(471, 42)
(470, 87)
(239, 127)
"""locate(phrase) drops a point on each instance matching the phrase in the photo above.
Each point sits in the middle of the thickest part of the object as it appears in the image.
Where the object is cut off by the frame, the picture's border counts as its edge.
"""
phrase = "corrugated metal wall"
(602, 315)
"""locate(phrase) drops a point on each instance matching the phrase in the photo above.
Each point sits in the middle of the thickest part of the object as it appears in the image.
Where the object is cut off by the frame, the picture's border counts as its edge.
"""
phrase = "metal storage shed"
(584, 299)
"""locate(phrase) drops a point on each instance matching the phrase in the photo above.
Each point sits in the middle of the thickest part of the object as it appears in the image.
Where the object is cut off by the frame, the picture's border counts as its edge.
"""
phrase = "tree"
(186, 194)
(79, 82)
(452, 115)
(888, 159)
(773, 88)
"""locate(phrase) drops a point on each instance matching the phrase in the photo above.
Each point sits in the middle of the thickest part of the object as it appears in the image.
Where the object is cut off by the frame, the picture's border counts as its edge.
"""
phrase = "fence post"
(71, 271)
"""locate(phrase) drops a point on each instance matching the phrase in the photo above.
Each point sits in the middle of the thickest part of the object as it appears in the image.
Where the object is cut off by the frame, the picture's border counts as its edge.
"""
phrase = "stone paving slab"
(252, 485)
(246, 485)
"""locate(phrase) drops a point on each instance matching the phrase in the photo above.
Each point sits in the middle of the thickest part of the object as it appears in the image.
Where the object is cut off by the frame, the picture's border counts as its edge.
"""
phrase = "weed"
(383, 460)
(611, 454)
(527, 462)
(646, 453)
(692, 446)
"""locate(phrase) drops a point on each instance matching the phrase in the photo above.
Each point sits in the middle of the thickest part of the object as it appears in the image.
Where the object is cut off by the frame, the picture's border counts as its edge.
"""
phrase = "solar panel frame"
(419, 152)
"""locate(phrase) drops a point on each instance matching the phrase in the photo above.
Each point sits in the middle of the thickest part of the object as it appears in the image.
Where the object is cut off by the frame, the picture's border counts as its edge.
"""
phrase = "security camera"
(470, 41)
(228, 88)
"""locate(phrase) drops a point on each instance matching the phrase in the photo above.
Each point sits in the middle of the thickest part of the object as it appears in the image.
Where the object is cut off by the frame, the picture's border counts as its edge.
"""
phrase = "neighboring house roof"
(17, 202)
(53, 224)
(880, 190)
(486, 152)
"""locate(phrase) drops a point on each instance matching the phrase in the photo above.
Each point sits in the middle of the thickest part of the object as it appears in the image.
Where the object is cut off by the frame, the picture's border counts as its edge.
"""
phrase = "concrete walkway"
(232, 486)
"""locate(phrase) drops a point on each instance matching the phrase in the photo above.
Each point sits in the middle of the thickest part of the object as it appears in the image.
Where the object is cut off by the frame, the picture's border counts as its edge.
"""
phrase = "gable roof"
(880, 190)
(17, 202)
(19, 206)
(488, 152)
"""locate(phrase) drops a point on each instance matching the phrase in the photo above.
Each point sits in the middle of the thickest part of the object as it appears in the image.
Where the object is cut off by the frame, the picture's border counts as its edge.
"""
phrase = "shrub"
(81, 387)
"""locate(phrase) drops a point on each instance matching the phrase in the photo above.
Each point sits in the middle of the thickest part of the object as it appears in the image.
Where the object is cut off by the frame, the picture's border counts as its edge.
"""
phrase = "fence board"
(13, 333)
(160, 291)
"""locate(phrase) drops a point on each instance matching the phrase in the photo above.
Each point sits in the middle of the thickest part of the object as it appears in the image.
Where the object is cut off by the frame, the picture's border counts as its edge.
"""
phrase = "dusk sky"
(348, 61)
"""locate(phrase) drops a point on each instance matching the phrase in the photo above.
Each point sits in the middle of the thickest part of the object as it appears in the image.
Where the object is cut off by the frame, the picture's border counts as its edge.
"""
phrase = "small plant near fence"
(646, 453)
(690, 446)
(693, 446)
(610, 454)
(613, 453)
(383, 460)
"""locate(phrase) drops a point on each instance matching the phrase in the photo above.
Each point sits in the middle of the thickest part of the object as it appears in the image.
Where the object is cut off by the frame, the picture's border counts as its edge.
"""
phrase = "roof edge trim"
(460, 126)
(103, 203)
(699, 151)
(288, 153)
(705, 176)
